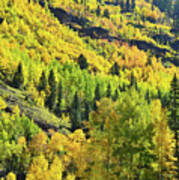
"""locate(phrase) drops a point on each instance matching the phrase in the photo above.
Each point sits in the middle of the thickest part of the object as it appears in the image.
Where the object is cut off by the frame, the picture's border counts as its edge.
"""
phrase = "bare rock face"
(62, 15)
(95, 32)
(175, 45)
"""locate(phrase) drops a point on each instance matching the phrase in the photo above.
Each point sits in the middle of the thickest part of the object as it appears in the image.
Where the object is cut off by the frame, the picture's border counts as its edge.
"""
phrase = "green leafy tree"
(18, 80)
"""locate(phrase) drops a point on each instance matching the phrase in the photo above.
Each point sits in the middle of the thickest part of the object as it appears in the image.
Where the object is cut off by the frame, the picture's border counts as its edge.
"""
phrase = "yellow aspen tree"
(164, 143)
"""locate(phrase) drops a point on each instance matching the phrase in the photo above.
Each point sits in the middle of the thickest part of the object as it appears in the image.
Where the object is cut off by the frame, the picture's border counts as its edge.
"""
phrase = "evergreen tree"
(127, 6)
(132, 80)
(115, 69)
(133, 4)
(82, 62)
(76, 113)
(176, 14)
(106, 13)
(117, 2)
(174, 113)
(98, 11)
(18, 80)
(147, 96)
(122, 4)
(97, 93)
(108, 91)
(42, 82)
(51, 99)
(116, 95)
(87, 111)
(59, 99)
(97, 97)
(159, 96)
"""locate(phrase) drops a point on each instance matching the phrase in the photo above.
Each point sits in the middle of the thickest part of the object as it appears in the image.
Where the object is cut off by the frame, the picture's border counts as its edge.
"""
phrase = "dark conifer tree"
(108, 94)
(97, 96)
(42, 82)
(124, 87)
(106, 13)
(133, 4)
(159, 96)
(117, 2)
(59, 99)
(97, 93)
(98, 11)
(87, 111)
(122, 4)
(174, 114)
(115, 69)
(76, 113)
(18, 80)
(51, 99)
(132, 80)
(127, 5)
(82, 62)
(116, 95)
(147, 96)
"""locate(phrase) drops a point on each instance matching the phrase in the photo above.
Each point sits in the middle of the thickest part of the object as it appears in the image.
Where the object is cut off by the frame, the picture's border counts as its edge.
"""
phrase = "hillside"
(89, 89)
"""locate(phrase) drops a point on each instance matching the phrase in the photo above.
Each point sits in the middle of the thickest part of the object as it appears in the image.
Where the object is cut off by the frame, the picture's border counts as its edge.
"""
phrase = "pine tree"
(42, 82)
(59, 99)
(159, 94)
(122, 4)
(82, 62)
(18, 80)
(115, 69)
(97, 97)
(174, 113)
(97, 93)
(87, 111)
(147, 96)
(98, 11)
(127, 6)
(116, 95)
(108, 91)
(76, 113)
(132, 80)
(133, 5)
(51, 99)
(106, 13)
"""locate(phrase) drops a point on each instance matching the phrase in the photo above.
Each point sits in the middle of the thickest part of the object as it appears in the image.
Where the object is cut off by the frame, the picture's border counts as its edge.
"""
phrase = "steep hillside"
(86, 87)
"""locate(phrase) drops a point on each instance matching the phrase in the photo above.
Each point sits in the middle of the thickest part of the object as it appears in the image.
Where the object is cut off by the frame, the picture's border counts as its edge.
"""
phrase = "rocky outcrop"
(67, 18)
(95, 32)
(162, 38)
(143, 45)
(175, 45)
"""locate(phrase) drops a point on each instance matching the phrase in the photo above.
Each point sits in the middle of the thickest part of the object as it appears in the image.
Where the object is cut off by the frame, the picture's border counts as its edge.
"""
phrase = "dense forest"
(89, 89)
